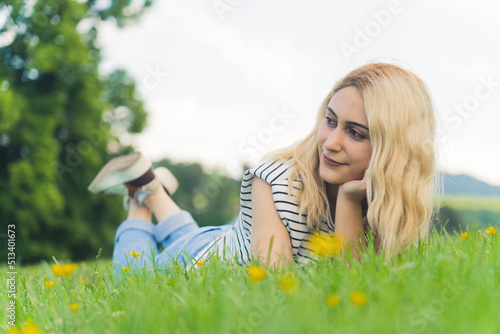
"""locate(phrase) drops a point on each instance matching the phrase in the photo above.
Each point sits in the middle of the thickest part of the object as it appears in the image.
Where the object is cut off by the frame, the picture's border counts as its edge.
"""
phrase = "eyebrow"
(353, 123)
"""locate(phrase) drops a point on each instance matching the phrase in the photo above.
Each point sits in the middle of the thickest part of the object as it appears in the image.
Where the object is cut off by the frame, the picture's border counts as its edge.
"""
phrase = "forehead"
(348, 104)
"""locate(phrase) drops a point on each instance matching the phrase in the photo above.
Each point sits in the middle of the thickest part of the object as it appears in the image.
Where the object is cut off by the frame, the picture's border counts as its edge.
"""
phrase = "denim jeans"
(181, 237)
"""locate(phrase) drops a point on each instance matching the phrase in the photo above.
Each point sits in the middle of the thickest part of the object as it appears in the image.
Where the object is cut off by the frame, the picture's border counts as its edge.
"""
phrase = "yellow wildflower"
(287, 282)
(56, 269)
(74, 307)
(256, 273)
(81, 282)
(333, 300)
(63, 270)
(125, 269)
(465, 235)
(96, 273)
(134, 254)
(326, 245)
(358, 298)
(50, 284)
(200, 263)
(491, 230)
(14, 330)
(30, 328)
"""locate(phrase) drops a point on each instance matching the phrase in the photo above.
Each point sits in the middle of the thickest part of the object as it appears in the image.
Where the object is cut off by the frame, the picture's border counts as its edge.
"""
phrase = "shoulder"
(273, 172)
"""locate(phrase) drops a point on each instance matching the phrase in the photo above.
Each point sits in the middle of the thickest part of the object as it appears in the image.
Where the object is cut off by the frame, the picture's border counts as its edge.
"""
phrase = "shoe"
(132, 172)
(167, 180)
(120, 170)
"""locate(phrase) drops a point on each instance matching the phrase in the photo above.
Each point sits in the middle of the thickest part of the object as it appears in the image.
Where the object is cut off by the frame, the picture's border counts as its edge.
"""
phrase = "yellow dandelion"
(256, 273)
(326, 245)
(333, 300)
(50, 284)
(56, 269)
(134, 254)
(358, 298)
(491, 230)
(465, 235)
(67, 269)
(30, 328)
(74, 307)
(63, 270)
(81, 282)
(125, 269)
(200, 263)
(287, 282)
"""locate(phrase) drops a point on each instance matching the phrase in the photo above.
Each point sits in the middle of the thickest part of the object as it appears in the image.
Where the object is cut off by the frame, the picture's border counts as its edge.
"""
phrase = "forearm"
(273, 251)
(348, 220)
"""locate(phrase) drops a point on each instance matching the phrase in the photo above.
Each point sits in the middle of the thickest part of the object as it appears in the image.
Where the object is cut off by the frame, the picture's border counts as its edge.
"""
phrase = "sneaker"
(137, 172)
(167, 180)
(120, 170)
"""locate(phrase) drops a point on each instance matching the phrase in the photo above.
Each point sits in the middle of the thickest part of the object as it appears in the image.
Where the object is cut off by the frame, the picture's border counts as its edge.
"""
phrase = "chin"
(330, 176)
(333, 177)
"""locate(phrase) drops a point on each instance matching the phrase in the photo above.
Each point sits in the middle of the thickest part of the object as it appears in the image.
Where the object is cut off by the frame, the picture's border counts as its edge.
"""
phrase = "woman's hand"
(354, 190)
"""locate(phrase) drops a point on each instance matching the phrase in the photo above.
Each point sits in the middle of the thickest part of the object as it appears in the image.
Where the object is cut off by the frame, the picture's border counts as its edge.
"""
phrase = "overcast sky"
(227, 81)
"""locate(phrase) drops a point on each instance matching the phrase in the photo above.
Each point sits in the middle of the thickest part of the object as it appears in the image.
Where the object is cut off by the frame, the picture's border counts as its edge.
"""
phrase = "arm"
(349, 214)
(348, 219)
(267, 224)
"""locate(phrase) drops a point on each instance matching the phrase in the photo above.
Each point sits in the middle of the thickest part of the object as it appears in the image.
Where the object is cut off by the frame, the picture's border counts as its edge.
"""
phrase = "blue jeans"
(181, 237)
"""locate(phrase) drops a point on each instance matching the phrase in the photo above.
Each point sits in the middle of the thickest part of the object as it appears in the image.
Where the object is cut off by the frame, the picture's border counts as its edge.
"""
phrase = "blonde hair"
(402, 178)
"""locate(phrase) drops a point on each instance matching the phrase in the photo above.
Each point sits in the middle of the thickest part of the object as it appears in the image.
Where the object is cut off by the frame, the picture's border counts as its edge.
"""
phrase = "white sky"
(222, 76)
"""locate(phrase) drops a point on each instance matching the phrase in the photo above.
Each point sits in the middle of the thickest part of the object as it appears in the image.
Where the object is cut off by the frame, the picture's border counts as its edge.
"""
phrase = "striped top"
(237, 240)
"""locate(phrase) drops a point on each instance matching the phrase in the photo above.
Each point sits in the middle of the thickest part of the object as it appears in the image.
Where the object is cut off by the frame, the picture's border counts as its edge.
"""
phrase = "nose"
(335, 141)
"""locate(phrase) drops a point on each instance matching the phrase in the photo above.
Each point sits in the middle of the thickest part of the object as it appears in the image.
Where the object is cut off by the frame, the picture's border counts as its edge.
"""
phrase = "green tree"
(60, 121)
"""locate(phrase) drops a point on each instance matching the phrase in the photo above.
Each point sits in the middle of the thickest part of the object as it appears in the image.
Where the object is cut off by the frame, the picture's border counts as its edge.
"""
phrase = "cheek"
(361, 156)
(365, 156)
(322, 135)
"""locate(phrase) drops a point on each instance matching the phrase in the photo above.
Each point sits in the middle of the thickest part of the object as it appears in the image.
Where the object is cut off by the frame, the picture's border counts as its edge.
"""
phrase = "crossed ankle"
(140, 194)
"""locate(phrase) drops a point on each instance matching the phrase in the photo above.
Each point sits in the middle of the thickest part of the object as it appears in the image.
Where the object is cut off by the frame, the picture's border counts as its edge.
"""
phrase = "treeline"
(60, 121)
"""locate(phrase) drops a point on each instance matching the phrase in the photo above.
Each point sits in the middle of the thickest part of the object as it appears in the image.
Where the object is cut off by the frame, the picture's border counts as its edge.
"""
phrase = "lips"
(328, 160)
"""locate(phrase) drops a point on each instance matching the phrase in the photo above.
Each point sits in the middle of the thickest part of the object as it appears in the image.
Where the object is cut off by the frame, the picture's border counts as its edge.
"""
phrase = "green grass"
(472, 203)
(449, 285)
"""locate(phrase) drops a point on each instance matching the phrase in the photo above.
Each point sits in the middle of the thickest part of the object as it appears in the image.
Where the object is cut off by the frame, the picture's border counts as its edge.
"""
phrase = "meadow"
(445, 284)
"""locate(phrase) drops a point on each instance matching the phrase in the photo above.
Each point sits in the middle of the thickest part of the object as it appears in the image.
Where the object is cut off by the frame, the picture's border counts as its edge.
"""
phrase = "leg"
(177, 231)
(189, 246)
(161, 204)
(135, 234)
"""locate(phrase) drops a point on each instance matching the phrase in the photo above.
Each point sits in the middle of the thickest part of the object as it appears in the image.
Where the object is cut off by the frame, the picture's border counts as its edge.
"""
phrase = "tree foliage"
(60, 121)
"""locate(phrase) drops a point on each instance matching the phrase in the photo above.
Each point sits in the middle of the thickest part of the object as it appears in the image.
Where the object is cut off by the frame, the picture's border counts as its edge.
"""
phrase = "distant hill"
(465, 185)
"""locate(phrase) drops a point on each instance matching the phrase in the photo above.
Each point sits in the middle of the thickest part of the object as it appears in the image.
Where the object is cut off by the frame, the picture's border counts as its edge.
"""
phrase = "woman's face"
(343, 137)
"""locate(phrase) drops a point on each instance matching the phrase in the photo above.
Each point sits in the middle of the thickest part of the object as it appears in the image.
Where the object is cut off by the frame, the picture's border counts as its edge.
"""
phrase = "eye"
(330, 121)
(355, 133)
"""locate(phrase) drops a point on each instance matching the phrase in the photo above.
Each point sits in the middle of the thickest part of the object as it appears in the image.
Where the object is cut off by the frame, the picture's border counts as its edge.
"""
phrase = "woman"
(369, 161)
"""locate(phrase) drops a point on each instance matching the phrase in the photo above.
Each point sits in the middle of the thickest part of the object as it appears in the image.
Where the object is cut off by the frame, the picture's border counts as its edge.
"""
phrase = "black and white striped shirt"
(237, 240)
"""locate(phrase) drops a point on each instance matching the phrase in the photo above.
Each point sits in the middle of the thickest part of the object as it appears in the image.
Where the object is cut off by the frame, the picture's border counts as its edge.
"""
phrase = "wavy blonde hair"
(402, 178)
